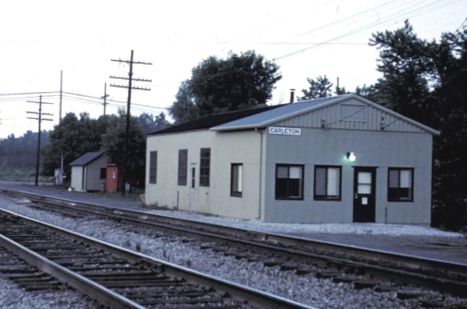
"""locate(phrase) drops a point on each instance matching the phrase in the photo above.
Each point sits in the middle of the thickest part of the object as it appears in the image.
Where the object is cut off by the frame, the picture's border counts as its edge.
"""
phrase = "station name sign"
(285, 131)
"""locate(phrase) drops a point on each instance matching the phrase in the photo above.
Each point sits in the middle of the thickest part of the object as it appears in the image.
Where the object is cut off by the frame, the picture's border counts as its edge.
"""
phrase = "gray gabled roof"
(87, 158)
(288, 111)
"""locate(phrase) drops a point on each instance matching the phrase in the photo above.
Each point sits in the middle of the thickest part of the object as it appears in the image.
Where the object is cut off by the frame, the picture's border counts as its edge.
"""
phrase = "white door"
(194, 192)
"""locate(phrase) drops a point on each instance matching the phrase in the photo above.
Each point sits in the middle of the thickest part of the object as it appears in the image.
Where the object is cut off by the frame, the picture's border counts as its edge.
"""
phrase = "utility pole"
(61, 97)
(130, 87)
(105, 98)
(39, 119)
(60, 176)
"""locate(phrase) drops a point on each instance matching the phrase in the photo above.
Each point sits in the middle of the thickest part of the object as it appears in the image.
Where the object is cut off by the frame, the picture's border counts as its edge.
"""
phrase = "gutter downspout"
(260, 173)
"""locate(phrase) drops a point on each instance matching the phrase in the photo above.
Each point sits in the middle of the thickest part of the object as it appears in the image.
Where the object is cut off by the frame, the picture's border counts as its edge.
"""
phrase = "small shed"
(88, 172)
(338, 159)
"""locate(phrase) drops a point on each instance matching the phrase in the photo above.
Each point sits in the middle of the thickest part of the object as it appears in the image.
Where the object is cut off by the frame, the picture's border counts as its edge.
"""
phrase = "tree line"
(18, 154)
(76, 135)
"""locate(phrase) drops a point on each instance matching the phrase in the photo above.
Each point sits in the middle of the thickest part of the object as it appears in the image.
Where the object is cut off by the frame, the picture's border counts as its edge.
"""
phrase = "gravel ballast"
(307, 289)
(12, 297)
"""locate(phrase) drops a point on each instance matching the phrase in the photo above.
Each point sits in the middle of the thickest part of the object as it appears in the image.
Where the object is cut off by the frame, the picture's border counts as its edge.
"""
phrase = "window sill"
(289, 198)
(330, 199)
(236, 194)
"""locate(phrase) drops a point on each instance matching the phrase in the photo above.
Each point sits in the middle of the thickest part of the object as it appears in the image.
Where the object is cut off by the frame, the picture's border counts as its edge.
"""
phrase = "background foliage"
(216, 85)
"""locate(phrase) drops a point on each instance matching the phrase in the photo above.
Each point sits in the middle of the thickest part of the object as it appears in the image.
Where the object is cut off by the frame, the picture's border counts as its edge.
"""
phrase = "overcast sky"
(305, 38)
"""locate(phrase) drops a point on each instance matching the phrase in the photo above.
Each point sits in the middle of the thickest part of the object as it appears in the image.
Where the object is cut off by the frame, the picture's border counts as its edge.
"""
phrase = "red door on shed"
(111, 179)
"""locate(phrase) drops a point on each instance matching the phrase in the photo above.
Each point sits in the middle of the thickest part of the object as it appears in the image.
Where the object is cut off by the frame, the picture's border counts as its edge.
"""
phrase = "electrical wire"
(366, 27)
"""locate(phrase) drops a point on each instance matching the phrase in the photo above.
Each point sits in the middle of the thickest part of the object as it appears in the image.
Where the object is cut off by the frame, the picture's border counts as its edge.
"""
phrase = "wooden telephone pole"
(39, 117)
(130, 87)
(105, 99)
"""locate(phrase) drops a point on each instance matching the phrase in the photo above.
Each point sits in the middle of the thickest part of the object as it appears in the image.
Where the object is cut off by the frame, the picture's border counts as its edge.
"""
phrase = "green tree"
(150, 123)
(72, 138)
(406, 66)
(426, 81)
(449, 97)
(113, 143)
(18, 154)
(184, 108)
(216, 85)
(321, 87)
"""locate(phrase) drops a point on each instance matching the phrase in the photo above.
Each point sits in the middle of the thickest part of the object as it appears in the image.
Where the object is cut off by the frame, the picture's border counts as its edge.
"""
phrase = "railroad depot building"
(339, 159)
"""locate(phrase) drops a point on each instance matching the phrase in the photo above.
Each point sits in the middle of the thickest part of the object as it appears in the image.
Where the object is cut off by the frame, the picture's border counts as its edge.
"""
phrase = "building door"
(364, 194)
(194, 196)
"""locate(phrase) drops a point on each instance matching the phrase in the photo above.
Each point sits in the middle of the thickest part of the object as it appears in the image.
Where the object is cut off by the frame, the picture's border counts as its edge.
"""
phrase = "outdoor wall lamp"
(350, 156)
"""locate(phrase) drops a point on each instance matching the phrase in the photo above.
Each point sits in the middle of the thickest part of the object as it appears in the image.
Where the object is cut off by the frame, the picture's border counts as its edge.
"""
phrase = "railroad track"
(116, 277)
(363, 267)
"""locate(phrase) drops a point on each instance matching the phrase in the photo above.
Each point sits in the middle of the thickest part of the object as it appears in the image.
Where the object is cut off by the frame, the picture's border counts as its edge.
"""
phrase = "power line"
(462, 25)
(296, 43)
(234, 36)
(366, 27)
(346, 18)
(26, 93)
(98, 99)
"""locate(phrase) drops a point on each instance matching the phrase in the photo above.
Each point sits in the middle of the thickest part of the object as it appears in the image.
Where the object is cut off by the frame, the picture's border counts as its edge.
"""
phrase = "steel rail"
(78, 282)
(255, 298)
(442, 275)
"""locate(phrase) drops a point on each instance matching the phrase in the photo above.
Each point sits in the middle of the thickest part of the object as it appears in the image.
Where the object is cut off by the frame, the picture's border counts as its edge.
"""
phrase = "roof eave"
(237, 128)
(281, 118)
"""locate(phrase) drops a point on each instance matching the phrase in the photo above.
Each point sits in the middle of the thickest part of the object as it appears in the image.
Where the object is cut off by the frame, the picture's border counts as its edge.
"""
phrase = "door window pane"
(364, 189)
(364, 177)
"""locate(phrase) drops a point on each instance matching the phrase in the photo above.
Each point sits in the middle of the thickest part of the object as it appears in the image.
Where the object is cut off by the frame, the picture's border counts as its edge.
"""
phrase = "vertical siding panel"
(332, 115)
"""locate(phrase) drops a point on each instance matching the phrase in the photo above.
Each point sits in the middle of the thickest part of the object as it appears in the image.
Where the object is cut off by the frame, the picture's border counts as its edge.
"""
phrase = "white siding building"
(88, 172)
(339, 159)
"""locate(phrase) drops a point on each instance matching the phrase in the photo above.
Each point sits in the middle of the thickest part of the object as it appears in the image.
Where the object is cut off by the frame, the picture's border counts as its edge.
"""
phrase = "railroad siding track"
(27, 276)
(120, 278)
(348, 263)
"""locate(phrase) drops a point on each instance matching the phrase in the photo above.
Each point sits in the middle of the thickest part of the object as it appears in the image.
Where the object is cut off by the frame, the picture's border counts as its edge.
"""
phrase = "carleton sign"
(285, 131)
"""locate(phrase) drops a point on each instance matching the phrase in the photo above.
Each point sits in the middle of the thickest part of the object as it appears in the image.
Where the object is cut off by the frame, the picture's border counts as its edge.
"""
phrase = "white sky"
(40, 38)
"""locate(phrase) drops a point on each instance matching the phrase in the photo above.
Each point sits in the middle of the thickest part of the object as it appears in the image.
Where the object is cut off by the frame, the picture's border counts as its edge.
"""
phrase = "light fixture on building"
(350, 156)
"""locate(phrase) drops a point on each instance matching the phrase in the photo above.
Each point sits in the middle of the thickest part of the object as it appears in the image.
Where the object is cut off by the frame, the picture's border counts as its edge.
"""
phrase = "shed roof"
(287, 111)
(213, 120)
(87, 158)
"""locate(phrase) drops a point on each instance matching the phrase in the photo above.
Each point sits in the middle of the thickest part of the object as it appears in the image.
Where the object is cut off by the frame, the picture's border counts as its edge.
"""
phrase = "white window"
(327, 182)
(289, 182)
(400, 184)
(236, 179)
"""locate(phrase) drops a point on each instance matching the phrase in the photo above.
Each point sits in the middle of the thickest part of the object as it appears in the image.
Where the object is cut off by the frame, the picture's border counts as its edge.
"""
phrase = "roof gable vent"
(352, 112)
